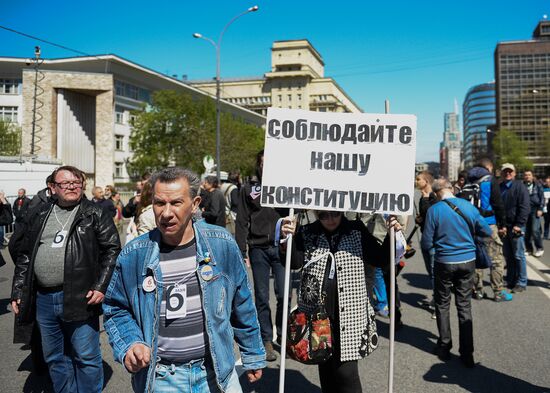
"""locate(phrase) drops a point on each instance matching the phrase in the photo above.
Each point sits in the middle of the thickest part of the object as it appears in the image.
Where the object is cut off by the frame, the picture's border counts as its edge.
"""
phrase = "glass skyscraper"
(479, 115)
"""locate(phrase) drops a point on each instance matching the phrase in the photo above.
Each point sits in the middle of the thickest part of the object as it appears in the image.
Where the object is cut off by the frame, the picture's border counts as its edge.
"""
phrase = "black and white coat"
(355, 247)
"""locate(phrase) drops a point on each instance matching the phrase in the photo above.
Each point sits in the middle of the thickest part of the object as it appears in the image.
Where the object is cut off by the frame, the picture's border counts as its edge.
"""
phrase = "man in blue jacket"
(517, 207)
(179, 297)
(449, 229)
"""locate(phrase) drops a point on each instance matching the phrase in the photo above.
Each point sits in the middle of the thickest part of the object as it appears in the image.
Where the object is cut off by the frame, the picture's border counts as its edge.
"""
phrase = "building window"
(119, 142)
(299, 97)
(119, 169)
(290, 97)
(9, 86)
(119, 117)
(132, 119)
(8, 114)
(280, 98)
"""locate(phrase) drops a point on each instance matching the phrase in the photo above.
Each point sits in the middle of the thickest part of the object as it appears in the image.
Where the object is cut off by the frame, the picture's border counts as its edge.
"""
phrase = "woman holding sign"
(332, 253)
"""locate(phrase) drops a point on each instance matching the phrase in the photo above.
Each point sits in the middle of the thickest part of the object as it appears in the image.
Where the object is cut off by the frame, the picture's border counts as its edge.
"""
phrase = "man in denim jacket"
(179, 297)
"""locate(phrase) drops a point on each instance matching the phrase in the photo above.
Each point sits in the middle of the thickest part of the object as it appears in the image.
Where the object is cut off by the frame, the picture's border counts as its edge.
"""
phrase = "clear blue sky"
(420, 55)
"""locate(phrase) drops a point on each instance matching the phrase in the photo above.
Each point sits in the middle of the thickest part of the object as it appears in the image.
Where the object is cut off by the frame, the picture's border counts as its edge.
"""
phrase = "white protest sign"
(339, 161)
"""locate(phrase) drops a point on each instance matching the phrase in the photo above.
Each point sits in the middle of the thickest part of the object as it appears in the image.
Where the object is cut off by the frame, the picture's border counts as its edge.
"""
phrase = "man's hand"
(516, 230)
(289, 226)
(95, 297)
(502, 232)
(15, 305)
(138, 357)
(539, 213)
(253, 375)
(247, 261)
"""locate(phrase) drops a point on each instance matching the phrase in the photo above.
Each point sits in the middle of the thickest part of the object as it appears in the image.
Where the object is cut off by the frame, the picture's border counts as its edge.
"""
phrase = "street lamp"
(217, 45)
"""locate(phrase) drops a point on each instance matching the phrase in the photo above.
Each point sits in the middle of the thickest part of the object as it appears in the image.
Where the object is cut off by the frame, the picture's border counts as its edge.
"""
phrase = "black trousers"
(461, 277)
(339, 377)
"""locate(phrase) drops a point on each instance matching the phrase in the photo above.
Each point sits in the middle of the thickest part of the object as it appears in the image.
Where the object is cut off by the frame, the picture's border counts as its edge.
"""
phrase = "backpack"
(478, 193)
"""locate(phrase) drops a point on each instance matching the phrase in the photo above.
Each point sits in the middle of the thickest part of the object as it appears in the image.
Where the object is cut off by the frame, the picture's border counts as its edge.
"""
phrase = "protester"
(117, 203)
(20, 207)
(130, 208)
(42, 196)
(546, 190)
(255, 228)
(459, 183)
(230, 189)
(533, 228)
(424, 182)
(179, 297)
(145, 216)
(517, 207)
(332, 253)
(213, 211)
(483, 192)
(6, 216)
(99, 199)
(451, 225)
(62, 271)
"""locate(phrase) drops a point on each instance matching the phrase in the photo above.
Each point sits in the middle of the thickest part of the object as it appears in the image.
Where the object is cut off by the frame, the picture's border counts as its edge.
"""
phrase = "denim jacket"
(131, 314)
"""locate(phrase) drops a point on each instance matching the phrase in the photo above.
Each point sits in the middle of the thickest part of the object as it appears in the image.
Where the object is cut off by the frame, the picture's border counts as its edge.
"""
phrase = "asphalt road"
(512, 343)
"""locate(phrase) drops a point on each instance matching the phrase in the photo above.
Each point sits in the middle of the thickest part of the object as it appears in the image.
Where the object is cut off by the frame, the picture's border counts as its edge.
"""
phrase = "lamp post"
(217, 45)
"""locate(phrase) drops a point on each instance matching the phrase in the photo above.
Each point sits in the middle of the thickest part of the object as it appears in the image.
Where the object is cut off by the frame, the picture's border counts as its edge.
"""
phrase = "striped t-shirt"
(182, 334)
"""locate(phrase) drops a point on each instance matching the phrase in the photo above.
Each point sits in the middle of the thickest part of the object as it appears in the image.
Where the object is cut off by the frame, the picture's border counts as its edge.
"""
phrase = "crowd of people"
(172, 283)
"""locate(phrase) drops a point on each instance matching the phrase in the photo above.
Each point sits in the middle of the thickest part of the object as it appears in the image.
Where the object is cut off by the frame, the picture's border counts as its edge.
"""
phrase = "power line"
(45, 41)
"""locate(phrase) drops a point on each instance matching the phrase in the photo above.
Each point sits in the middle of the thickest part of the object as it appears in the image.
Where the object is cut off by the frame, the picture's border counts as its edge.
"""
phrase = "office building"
(296, 81)
(522, 75)
(83, 109)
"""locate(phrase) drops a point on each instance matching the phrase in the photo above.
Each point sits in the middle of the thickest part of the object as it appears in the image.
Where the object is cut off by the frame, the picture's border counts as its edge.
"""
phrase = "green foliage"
(180, 130)
(508, 147)
(10, 139)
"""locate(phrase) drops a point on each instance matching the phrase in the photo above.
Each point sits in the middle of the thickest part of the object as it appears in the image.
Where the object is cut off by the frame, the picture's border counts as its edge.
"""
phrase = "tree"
(10, 139)
(177, 129)
(508, 147)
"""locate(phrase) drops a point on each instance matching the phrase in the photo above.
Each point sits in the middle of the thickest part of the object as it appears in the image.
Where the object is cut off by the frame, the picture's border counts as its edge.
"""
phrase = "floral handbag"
(309, 336)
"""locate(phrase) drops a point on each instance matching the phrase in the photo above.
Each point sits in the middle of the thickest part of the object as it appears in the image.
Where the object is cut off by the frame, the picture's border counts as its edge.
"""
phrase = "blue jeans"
(78, 368)
(263, 261)
(192, 377)
(380, 290)
(533, 233)
(516, 264)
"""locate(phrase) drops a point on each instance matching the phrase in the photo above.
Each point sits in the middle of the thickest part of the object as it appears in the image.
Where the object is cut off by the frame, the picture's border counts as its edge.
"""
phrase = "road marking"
(538, 265)
(534, 273)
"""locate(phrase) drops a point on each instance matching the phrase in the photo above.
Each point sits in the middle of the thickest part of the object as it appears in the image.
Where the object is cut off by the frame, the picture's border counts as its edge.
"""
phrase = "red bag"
(309, 337)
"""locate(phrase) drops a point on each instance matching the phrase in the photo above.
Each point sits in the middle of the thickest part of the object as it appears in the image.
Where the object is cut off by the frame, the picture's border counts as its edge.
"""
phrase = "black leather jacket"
(90, 256)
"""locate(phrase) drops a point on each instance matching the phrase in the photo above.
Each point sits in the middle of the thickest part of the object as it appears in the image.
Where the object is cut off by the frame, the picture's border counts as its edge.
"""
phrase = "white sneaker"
(538, 253)
(527, 253)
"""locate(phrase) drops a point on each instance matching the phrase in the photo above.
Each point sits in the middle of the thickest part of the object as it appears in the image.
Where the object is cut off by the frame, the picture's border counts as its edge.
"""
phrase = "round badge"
(207, 273)
(149, 284)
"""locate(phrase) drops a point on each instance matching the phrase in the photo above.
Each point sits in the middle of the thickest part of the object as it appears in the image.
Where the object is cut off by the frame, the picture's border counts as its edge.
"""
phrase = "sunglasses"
(327, 215)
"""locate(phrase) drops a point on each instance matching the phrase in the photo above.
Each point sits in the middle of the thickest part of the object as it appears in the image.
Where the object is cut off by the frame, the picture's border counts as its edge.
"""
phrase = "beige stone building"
(296, 80)
(83, 108)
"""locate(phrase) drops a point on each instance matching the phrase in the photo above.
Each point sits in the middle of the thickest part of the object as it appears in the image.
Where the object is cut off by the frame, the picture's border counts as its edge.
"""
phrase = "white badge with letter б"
(59, 239)
(176, 301)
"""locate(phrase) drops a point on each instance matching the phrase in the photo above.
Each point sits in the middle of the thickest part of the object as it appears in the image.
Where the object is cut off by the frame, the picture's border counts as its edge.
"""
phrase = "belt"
(58, 288)
(168, 362)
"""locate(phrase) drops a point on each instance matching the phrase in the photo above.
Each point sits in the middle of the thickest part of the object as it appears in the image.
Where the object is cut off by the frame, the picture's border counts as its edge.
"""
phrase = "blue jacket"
(450, 235)
(131, 314)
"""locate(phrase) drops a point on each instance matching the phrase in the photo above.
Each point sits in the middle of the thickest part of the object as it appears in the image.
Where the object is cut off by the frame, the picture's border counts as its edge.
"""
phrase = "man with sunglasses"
(62, 271)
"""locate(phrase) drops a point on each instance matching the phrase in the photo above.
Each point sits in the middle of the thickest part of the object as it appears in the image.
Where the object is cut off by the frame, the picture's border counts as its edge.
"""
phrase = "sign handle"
(392, 307)
(285, 310)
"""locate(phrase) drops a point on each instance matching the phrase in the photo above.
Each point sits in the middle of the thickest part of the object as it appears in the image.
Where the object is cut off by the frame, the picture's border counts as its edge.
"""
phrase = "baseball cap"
(508, 166)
